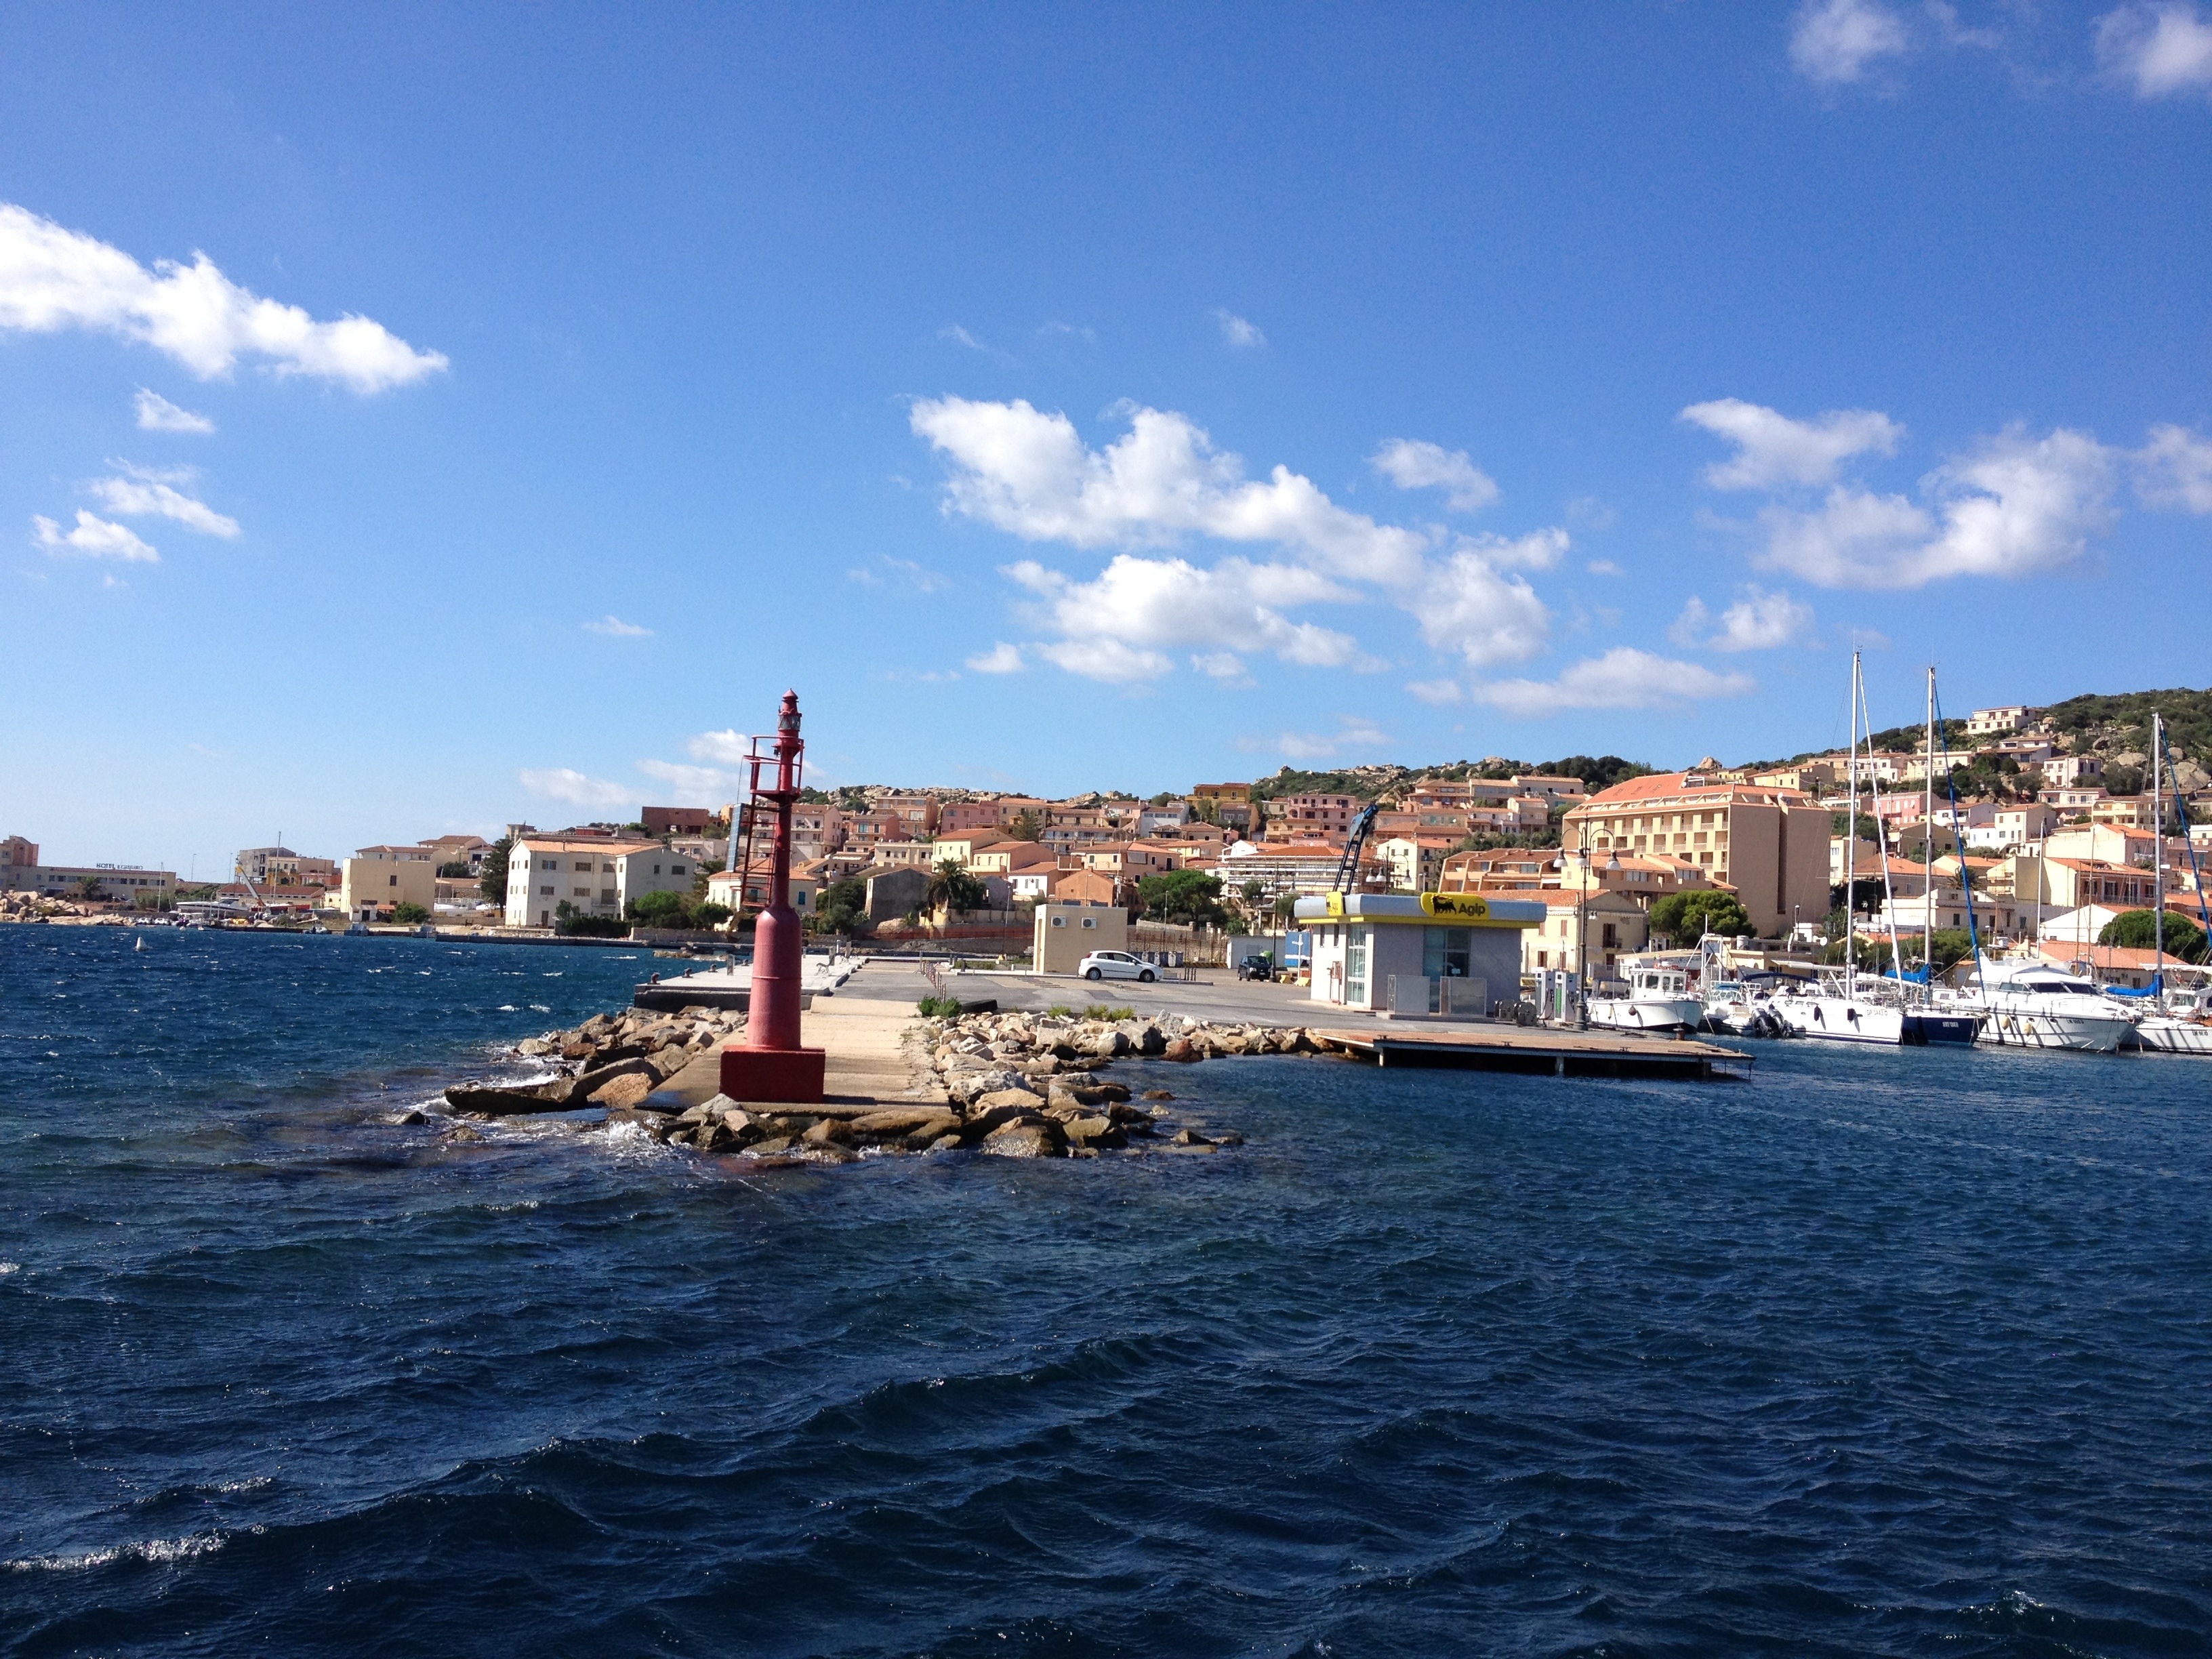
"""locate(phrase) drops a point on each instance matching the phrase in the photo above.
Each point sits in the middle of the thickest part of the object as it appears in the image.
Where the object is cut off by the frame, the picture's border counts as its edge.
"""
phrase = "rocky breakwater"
(611, 1061)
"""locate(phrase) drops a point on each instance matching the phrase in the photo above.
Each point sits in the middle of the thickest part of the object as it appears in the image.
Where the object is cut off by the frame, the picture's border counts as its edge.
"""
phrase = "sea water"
(1883, 1352)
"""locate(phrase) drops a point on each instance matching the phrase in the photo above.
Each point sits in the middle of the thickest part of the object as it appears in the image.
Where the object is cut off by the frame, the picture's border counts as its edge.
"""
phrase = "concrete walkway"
(872, 1048)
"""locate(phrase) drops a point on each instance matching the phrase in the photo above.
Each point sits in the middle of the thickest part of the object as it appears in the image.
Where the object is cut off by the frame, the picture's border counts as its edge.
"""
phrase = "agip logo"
(1456, 906)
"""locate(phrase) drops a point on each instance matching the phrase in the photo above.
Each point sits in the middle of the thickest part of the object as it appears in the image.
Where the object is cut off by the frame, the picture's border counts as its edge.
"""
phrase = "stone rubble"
(1017, 1085)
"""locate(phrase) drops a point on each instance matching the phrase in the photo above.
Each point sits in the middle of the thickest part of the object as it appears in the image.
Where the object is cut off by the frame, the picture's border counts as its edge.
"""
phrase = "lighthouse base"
(785, 1075)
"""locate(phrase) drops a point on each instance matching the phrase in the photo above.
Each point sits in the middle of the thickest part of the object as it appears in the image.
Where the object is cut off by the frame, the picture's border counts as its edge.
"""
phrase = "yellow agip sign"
(1456, 906)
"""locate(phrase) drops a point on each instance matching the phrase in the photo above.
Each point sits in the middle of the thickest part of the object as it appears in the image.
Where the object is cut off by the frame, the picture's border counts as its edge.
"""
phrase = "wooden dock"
(1538, 1051)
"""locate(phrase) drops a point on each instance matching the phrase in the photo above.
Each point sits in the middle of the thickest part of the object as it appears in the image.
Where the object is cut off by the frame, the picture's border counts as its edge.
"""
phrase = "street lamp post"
(1581, 944)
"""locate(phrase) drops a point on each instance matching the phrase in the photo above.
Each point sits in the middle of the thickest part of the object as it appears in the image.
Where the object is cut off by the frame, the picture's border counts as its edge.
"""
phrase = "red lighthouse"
(772, 1067)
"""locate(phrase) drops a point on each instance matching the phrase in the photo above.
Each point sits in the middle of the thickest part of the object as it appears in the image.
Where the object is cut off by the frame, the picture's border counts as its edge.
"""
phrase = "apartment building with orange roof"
(1767, 844)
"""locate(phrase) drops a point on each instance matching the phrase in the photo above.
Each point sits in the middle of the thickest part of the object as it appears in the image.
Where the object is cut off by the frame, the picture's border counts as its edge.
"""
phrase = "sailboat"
(1839, 1012)
(2159, 1028)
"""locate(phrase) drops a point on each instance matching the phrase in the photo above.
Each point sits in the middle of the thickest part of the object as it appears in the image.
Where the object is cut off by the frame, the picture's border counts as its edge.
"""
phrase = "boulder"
(829, 1151)
(620, 1093)
(1158, 1094)
(714, 1136)
(1022, 1099)
(1026, 1139)
(588, 1080)
(579, 1048)
(946, 1144)
(1152, 1043)
(1182, 1051)
(411, 1116)
(1095, 1132)
(535, 1046)
(932, 1120)
(1190, 1137)
(826, 1133)
(499, 1103)
(769, 1147)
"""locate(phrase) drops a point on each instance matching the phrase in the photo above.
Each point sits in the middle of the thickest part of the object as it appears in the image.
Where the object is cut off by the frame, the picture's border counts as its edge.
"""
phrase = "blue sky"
(1125, 397)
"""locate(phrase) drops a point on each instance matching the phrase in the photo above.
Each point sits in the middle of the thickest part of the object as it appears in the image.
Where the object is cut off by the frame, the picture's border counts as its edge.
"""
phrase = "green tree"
(951, 888)
(2137, 930)
(708, 913)
(1287, 908)
(707, 867)
(1685, 918)
(1024, 826)
(408, 914)
(660, 909)
(1183, 896)
(1254, 892)
(454, 869)
(842, 908)
(492, 883)
(88, 888)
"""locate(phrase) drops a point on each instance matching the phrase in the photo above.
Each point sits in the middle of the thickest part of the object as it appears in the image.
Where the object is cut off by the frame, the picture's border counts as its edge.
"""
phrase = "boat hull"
(2174, 1037)
(2038, 1028)
(1649, 1014)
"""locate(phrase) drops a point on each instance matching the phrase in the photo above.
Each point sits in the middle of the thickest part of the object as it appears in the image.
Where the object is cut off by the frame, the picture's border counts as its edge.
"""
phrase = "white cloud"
(157, 413)
(1001, 659)
(1224, 665)
(1591, 514)
(147, 494)
(1115, 628)
(1411, 464)
(1832, 42)
(1757, 621)
(2161, 49)
(1623, 677)
(92, 538)
(563, 783)
(52, 278)
(1772, 449)
(1237, 332)
(1106, 659)
(1357, 736)
(1469, 609)
(2016, 506)
(1539, 550)
(615, 628)
(906, 572)
(1437, 693)
(1029, 473)
(1604, 568)
(2174, 469)
(705, 783)
(728, 747)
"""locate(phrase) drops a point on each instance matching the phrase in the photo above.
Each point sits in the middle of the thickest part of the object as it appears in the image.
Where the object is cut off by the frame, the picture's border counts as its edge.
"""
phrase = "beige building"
(1064, 933)
(117, 883)
(1769, 844)
(1612, 923)
(597, 878)
(375, 878)
(1416, 861)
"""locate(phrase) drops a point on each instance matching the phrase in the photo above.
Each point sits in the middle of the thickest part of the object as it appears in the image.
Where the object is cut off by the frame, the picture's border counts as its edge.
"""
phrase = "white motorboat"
(1658, 1000)
(2169, 1034)
(2032, 1004)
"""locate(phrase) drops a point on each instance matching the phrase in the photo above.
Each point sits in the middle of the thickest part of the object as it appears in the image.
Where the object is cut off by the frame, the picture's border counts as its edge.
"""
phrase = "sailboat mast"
(2157, 852)
(1852, 843)
(1927, 848)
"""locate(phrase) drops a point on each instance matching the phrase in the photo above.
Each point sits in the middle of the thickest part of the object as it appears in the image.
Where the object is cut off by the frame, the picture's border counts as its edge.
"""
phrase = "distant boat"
(140, 944)
(1658, 1000)
(2032, 1004)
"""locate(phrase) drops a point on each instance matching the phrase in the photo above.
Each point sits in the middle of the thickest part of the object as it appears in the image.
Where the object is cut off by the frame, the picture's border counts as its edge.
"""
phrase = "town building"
(16, 854)
(471, 850)
(1064, 932)
(961, 847)
(958, 817)
(1417, 953)
(1613, 923)
(1282, 868)
(2073, 771)
(1229, 804)
(1997, 722)
(1312, 817)
(660, 821)
(377, 879)
(747, 890)
(1415, 862)
(1769, 845)
(590, 876)
(120, 883)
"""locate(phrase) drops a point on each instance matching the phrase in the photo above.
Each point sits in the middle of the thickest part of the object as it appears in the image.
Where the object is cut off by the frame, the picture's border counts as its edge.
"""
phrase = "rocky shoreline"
(1014, 1085)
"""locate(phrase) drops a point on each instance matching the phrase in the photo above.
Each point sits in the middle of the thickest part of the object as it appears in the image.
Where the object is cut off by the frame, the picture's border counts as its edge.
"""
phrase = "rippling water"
(1883, 1352)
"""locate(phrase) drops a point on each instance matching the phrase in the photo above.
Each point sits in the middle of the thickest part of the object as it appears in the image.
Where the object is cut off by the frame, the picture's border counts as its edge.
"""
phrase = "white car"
(1115, 964)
